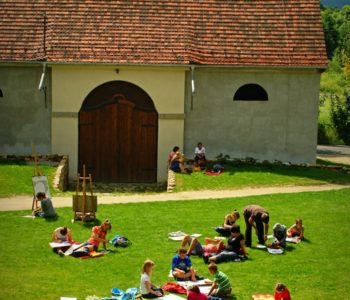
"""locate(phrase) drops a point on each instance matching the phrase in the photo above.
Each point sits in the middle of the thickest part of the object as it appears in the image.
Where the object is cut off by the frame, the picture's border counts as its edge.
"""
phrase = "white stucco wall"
(283, 128)
(71, 84)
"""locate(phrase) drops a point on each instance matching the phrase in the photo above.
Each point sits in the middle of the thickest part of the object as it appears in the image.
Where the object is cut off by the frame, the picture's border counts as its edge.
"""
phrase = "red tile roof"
(210, 32)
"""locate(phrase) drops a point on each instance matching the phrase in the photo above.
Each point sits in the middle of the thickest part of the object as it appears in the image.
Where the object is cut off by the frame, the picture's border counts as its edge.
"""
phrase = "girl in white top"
(149, 290)
(60, 235)
(199, 152)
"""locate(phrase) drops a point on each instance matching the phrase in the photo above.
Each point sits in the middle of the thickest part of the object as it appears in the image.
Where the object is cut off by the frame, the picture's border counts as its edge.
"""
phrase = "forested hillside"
(334, 117)
(335, 3)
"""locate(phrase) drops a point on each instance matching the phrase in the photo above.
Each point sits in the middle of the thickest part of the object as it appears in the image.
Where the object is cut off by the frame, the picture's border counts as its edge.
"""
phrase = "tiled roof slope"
(210, 32)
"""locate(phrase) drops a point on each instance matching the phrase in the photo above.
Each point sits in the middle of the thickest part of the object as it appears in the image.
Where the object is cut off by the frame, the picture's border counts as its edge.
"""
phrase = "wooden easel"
(86, 205)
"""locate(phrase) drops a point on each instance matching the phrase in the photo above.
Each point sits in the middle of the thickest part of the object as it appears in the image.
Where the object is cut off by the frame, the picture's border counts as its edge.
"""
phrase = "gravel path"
(25, 202)
(339, 154)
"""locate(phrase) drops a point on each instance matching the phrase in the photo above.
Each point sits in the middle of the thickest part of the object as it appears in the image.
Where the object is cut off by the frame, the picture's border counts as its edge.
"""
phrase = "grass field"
(260, 175)
(15, 179)
(317, 268)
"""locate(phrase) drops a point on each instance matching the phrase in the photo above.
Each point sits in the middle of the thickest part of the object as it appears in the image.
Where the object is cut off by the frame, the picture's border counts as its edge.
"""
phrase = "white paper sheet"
(274, 251)
(58, 245)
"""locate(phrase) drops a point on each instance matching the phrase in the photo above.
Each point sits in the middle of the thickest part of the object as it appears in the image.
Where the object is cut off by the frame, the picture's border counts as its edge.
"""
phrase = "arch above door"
(118, 128)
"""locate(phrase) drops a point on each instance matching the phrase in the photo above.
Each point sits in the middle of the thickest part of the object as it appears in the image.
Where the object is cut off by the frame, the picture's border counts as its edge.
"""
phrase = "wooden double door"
(118, 141)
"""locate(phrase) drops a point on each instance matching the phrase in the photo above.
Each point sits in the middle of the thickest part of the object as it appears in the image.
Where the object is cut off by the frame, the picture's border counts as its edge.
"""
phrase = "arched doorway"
(118, 126)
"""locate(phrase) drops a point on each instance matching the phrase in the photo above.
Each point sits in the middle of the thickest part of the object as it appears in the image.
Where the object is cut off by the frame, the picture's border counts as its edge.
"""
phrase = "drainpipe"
(193, 88)
(42, 86)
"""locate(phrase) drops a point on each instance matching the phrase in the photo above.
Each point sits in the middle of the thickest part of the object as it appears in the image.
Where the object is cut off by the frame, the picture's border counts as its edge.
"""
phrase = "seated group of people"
(98, 235)
(183, 270)
(280, 233)
(176, 159)
(213, 251)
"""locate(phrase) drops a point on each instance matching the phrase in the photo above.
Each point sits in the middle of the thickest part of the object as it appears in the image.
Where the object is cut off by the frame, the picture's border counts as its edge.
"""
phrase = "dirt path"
(340, 154)
(25, 202)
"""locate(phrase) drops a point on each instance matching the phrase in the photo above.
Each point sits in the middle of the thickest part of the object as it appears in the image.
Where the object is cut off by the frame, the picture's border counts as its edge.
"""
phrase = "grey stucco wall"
(283, 128)
(25, 118)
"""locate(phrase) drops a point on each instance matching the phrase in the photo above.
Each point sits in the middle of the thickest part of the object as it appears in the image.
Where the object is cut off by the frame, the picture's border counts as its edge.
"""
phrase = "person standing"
(257, 217)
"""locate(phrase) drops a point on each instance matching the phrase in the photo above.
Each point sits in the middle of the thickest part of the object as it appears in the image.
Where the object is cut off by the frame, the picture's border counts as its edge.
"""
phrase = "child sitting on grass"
(182, 268)
(194, 293)
(296, 230)
(221, 286)
(280, 235)
(281, 292)
(149, 290)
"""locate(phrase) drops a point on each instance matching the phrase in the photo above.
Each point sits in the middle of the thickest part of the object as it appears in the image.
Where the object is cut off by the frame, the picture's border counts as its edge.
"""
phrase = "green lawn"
(16, 179)
(318, 268)
(261, 175)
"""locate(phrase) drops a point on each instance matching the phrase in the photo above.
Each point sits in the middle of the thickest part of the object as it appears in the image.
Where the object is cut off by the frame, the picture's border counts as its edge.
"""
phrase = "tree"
(330, 31)
(335, 82)
(340, 114)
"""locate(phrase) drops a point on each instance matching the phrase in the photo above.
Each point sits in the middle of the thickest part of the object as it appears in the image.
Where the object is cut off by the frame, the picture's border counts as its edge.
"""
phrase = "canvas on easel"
(39, 180)
(40, 184)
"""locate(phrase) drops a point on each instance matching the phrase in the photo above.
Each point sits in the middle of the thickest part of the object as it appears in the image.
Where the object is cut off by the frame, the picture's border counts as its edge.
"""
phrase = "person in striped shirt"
(221, 286)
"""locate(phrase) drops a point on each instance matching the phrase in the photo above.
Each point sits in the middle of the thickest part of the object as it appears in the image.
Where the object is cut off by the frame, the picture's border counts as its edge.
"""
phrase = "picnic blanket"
(179, 235)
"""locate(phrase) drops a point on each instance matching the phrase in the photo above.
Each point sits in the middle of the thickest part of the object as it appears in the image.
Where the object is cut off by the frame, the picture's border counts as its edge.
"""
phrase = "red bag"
(174, 288)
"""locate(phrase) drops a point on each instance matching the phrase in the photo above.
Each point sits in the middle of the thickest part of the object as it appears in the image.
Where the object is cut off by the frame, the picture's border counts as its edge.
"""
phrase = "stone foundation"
(61, 179)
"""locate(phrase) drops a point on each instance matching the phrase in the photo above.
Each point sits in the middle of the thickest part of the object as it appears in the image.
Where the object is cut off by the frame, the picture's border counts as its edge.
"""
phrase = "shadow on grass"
(305, 240)
(331, 175)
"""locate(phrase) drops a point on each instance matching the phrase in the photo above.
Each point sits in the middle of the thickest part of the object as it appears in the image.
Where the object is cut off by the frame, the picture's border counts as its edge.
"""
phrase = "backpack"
(120, 241)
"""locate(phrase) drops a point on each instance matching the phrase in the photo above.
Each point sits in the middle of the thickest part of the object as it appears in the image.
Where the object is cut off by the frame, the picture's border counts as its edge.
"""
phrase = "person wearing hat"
(256, 216)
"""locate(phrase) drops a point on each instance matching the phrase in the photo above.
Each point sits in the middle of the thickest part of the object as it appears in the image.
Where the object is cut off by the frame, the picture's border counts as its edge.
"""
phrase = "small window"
(1, 95)
(250, 92)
